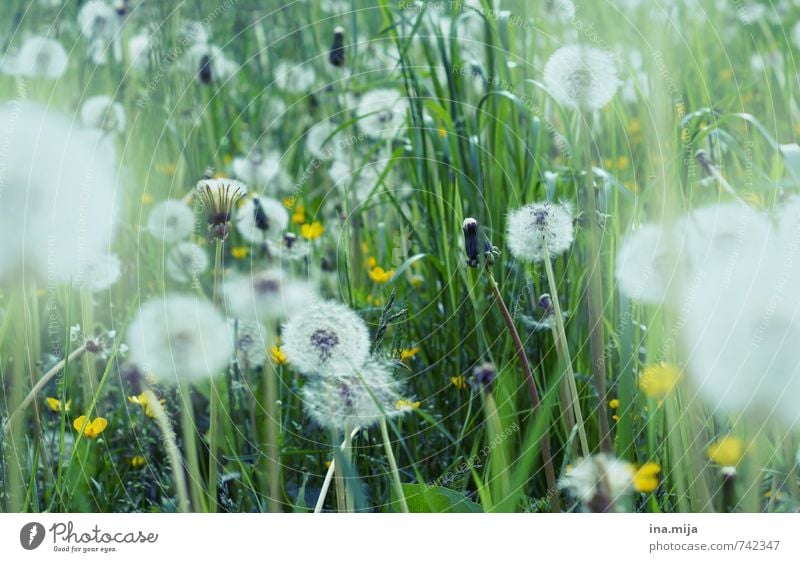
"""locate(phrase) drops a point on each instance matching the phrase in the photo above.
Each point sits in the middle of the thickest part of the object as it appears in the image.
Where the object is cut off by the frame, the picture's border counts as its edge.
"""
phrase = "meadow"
(445, 256)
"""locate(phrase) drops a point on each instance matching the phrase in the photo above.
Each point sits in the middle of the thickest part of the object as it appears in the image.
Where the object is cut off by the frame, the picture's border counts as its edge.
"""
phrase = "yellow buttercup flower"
(239, 252)
(91, 429)
(442, 132)
(168, 168)
(459, 382)
(372, 262)
(147, 199)
(380, 275)
(146, 400)
(646, 478)
(138, 461)
(312, 231)
(623, 163)
(404, 404)
(278, 356)
(726, 74)
(657, 380)
(406, 354)
(289, 202)
(299, 214)
(727, 451)
(634, 127)
(55, 404)
(613, 403)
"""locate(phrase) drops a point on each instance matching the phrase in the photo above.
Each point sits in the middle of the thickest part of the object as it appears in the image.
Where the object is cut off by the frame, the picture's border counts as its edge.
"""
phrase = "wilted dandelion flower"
(261, 219)
(180, 337)
(58, 184)
(249, 342)
(601, 482)
(102, 112)
(261, 169)
(218, 197)
(539, 226)
(358, 398)
(186, 261)
(581, 77)
(326, 337)
(266, 295)
(37, 57)
(381, 113)
(171, 221)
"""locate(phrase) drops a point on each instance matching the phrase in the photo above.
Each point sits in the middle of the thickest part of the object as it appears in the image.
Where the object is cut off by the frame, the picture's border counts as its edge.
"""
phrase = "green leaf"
(436, 499)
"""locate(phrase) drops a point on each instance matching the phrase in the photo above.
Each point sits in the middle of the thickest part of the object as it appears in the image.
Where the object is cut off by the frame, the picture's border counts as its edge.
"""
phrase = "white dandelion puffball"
(295, 78)
(210, 57)
(322, 143)
(261, 219)
(538, 226)
(180, 337)
(289, 248)
(186, 261)
(360, 399)
(363, 179)
(326, 338)
(97, 19)
(248, 337)
(268, 295)
(647, 264)
(741, 333)
(259, 169)
(381, 113)
(600, 476)
(102, 112)
(581, 77)
(99, 273)
(170, 221)
(58, 186)
(38, 57)
(139, 48)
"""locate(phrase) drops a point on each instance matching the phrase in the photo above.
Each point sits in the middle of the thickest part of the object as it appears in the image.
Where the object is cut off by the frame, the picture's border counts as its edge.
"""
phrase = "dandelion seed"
(381, 113)
(537, 226)
(102, 112)
(180, 337)
(261, 219)
(209, 63)
(268, 296)
(581, 77)
(326, 337)
(37, 57)
(91, 428)
(186, 261)
(170, 221)
(601, 482)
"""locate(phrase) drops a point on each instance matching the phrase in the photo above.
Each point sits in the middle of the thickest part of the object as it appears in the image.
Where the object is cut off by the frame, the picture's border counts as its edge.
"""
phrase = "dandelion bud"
(336, 54)
(204, 73)
(471, 241)
(483, 377)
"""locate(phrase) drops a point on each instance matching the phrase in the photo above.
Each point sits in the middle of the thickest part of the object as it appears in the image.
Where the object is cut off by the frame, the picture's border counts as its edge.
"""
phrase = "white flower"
(381, 113)
(171, 220)
(58, 186)
(295, 78)
(600, 481)
(581, 77)
(38, 57)
(260, 169)
(249, 342)
(266, 295)
(358, 398)
(186, 261)
(180, 337)
(539, 226)
(326, 337)
(97, 19)
(261, 219)
(647, 264)
(208, 60)
(99, 273)
(102, 112)
(322, 143)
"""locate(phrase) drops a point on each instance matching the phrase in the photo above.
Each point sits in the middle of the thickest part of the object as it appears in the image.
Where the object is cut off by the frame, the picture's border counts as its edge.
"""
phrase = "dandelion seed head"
(99, 273)
(180, 337)
(261, 218)
(37, 57)
(381, 113)
(102, 112)
(581, 77)
(538, 226)
(249, 342)
(96, 19)
(261, 169)
(325, 338)
(600, 481)
(295, 78)
(268, 296)
(186, 261)
(170, 221)
(646, 264)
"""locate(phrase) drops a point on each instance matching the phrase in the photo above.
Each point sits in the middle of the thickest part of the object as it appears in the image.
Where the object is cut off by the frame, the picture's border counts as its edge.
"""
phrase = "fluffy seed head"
(268, 296)
(102, 112)
(539, 226)
(170, 221)
(186, 261)
(381, 113)
(261, 219)
(581, 77)
(601, 482)
(37, 57)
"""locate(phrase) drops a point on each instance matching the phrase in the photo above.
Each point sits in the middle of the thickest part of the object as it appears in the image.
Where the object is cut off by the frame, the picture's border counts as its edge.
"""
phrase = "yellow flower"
(227, 159)
(657, 380)
(726, 74)
(371, 262)
(239, 252)
(278, 356)
(459, 382)
(442, 132)
(168, 168)
(138, 461)
(727, 451)
(299, 215)
(615, 417)
(288, 202)
(55, 405)
(634, 127)
(91, 429)
(613, 403)
(147, 199)
(406, 354)
(377, 301)
(312, 231)
(646, 478)
(404, 404)
(145, 400)
(622, 163)
(380, 275)
(417, 281)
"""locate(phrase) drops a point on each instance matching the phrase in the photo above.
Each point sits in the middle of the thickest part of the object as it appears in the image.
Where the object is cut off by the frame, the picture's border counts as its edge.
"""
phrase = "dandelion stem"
(595, 295)
(563, 349)
(326, 484)
(547, 458)
(214, 404)
(272, 444)
(178, 477)
(398, 485)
